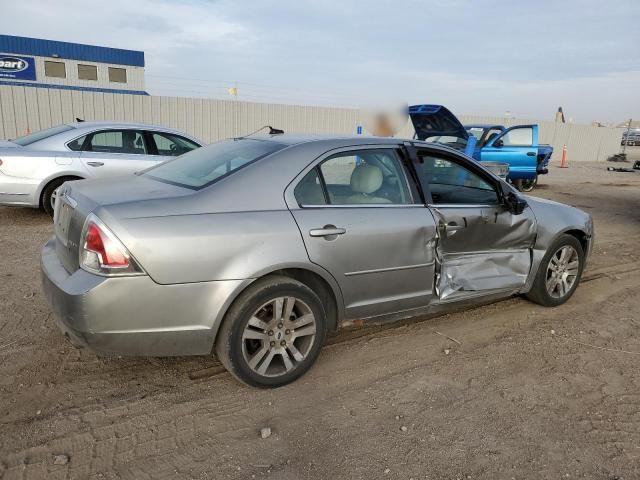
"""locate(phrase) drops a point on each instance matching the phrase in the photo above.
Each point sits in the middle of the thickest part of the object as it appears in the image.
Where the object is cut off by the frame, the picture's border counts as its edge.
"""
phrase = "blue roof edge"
(71, 51)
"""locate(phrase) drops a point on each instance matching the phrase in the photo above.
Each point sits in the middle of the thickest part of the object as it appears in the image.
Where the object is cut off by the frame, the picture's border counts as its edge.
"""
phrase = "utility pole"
(626, 138)
(233, 91)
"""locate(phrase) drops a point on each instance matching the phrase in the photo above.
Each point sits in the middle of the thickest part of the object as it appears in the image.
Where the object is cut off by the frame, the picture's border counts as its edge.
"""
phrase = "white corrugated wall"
(28, 109)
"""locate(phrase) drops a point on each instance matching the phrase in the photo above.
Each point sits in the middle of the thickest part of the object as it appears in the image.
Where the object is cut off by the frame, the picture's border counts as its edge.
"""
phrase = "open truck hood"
(431, 121)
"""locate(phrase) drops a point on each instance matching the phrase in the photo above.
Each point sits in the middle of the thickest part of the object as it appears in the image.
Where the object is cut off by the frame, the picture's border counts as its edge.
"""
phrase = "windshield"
(41, 135)
(204, 166)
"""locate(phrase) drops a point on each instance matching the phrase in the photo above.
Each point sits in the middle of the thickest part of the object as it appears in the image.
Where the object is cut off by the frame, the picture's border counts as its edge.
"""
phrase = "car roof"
(299, 138)
(340, 141)
(102, 124)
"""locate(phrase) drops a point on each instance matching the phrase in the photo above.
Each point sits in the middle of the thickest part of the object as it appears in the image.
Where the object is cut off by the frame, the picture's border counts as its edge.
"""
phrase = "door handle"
(452, 227)
(531, 154)
(95, 164)
(327, 231)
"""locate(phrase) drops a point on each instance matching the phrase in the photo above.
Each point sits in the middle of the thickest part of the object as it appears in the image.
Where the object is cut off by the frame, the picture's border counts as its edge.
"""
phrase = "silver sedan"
(34, 166)
(258, 247)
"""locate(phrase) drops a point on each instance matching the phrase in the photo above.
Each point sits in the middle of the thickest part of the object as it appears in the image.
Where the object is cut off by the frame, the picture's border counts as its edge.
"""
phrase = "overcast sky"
(476, 57)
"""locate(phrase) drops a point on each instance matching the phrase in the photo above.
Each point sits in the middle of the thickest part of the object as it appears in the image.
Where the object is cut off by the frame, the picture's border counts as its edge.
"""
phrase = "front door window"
(452, 183)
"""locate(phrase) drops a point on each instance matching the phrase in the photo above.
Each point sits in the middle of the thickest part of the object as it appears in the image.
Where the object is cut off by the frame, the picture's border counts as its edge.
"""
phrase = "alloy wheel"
(562, 271)
(529, 184)
(278, 336)
(54, 195)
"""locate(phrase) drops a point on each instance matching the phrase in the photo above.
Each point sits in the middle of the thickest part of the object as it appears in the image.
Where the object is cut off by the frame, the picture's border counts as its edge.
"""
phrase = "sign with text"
(17, 67)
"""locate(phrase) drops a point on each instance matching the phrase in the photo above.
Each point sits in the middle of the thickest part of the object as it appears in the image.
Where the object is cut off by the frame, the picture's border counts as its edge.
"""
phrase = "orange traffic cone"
(564, 163)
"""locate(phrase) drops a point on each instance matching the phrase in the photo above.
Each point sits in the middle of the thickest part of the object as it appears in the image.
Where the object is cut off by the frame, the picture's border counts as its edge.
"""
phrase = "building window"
(87, 72)
(54, 69)
(117, 75)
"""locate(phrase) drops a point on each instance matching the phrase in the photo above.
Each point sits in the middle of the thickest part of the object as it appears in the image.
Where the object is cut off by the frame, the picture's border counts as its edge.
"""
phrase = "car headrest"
(366, 179)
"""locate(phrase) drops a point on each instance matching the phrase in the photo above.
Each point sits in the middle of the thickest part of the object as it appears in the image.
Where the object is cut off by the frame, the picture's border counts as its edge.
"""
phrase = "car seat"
(365, 180)
(129, 142)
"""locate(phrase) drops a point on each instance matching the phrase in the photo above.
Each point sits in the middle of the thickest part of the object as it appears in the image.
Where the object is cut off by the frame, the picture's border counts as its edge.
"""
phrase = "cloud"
(476, 57)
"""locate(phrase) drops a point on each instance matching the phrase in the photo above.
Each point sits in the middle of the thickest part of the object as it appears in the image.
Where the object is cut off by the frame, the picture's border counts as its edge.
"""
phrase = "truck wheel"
(526, 185)
(272, 333)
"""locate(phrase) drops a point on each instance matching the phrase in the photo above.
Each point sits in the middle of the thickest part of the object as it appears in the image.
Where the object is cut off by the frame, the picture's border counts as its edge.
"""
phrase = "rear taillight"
(102, 253)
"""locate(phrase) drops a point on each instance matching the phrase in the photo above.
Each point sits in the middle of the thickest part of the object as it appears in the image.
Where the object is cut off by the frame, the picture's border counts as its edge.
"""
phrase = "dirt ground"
(529, 392)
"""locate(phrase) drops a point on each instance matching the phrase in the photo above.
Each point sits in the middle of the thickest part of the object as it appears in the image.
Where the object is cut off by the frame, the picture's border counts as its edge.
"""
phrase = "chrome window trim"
(390, 269)
(106, 130)
(367, 205)
(464, 205)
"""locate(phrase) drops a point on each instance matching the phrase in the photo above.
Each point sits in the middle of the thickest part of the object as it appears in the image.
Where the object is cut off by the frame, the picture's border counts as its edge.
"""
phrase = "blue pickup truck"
(516, 146)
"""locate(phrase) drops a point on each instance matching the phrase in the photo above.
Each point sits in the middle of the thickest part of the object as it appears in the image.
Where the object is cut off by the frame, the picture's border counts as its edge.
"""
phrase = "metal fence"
(28, 109)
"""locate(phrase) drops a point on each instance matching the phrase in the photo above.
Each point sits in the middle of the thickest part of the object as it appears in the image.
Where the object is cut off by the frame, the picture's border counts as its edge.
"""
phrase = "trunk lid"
(77, 199)
(434, 121)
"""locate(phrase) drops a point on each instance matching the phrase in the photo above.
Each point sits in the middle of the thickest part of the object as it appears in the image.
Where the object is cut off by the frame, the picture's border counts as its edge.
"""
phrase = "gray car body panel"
(27, 170)
(553, 220)
(201, 249)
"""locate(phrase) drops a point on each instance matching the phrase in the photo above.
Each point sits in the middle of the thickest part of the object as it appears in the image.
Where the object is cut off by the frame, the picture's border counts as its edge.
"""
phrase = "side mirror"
(498, 143)
(514, 202)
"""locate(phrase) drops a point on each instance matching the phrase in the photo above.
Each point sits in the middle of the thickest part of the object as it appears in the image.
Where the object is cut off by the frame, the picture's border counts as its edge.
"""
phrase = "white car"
(34, 166)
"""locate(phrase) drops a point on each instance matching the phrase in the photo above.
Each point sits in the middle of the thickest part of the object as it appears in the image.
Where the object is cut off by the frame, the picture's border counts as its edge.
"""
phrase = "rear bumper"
(16, 191)
(135, 315)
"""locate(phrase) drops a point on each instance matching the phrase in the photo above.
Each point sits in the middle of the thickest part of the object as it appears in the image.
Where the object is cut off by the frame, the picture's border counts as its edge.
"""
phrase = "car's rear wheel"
(48, 196)
(559, 272)
(526, 185)
(273, 333)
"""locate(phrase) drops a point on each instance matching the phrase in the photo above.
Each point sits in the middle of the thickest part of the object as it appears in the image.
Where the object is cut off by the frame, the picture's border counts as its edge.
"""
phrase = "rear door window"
(372, 176)
(116, 141)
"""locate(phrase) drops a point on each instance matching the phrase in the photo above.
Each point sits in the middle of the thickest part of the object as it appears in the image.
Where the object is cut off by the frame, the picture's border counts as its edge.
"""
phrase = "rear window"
(204, 166)
(41, 135)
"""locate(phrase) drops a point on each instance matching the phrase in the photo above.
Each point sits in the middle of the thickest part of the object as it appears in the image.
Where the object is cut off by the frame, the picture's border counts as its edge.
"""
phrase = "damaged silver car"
(256, 248)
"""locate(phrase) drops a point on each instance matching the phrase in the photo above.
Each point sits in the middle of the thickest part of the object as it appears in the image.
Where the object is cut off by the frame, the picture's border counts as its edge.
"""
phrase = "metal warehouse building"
(33, 62)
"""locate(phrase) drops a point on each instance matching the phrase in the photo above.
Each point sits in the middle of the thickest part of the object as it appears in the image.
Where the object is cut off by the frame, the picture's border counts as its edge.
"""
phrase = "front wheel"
(273, 333)
(526, 185)
(559, 272)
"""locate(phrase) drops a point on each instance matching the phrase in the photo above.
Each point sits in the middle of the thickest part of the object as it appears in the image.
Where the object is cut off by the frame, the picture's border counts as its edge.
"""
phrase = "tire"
(46, 198)
(526, 185)
(252, 315)
(540, 291)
